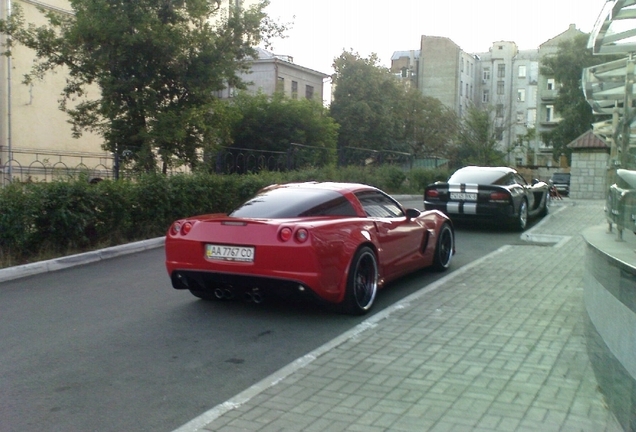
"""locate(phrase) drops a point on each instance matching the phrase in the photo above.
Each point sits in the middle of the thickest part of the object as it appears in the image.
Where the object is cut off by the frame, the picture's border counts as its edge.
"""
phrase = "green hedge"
(42, 220)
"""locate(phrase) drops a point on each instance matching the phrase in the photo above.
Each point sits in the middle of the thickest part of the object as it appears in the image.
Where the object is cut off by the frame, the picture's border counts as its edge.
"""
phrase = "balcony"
(549, 95)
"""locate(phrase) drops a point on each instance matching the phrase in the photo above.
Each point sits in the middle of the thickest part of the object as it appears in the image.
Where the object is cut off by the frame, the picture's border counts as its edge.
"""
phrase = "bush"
(43, 219)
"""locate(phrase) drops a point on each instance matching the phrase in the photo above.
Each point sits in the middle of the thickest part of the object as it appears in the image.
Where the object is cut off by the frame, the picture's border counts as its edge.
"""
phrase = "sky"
(322, 30)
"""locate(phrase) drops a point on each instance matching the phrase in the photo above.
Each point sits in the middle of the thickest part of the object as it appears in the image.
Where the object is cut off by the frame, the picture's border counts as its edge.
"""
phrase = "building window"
(551, 84)
(485, 96)
(294, 89)
(520, 117)
(519, 142)
(499, 133)
(461, 88)
(500, 87)
(280, 85)
(521, 95)
(467, 94)
(462, 65)
(309, 92)
(500, 110)
(522, 71)
(501, 70)
(486, 74)
(549, 113)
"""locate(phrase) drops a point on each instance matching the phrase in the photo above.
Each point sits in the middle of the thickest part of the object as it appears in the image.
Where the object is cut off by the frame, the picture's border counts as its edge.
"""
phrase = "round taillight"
(302, 235)
(285, 234)
(176, 227)
(186, 228)
(432, 193)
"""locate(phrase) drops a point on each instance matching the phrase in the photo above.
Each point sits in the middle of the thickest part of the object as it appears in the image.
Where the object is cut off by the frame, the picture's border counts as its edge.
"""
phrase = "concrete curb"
(21, 271)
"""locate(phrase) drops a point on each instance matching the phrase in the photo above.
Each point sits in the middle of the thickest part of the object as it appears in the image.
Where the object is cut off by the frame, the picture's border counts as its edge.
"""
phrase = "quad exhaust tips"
(223, 294)
(254, 295)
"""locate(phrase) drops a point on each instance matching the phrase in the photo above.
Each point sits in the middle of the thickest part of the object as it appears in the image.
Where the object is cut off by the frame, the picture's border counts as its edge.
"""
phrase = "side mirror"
(535, 181)
(412, 213)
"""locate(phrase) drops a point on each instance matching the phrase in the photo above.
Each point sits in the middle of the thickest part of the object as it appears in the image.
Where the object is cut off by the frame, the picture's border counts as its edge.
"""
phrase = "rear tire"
(362, 282)
(521, 221)
(444, 248)
(544, 210)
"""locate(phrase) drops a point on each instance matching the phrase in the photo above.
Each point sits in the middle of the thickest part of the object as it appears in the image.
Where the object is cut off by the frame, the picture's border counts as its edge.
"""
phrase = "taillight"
(175, 228)
(302, 235)
(499, 196)
(432, 193)
(285, 234)
(186, 228)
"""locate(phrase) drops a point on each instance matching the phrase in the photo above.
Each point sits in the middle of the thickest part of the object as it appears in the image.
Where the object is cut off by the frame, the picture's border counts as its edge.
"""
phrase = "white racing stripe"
(470, 208)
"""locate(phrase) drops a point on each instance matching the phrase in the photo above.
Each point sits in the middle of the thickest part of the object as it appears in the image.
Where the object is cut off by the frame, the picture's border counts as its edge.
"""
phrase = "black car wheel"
(522, 218)
(362, 283)
(544, 210)
(444, 248)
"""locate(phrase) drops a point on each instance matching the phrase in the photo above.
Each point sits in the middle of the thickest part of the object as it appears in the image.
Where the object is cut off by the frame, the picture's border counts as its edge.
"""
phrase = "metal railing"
(26, 165)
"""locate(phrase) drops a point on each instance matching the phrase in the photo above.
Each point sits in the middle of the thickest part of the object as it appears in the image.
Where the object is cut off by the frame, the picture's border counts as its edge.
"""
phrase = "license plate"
(229, 253)
(461, 196)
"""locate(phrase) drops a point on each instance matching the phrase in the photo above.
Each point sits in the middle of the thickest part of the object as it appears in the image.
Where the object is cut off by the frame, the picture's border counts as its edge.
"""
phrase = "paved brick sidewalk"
(498, 345)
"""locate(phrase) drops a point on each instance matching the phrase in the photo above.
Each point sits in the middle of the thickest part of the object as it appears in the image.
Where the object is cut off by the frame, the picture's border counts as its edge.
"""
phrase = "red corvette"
(337, 242)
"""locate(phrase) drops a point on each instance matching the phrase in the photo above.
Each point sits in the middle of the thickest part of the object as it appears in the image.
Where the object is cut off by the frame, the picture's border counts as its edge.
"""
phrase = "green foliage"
(376, 112)
(477, 140)
(576, 114)
(156, 64)
(364, 102)
(419, 178)
(274, 123)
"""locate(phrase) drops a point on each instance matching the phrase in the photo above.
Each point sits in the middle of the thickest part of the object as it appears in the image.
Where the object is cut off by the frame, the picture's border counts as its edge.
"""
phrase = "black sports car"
(489, 193)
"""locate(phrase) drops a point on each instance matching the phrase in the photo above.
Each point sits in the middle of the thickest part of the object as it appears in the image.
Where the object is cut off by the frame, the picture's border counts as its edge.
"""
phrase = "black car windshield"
(295, 202)
(477, 176)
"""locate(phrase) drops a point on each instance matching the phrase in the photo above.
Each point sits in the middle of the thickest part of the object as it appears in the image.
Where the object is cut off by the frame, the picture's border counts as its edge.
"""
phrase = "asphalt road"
(111, 346)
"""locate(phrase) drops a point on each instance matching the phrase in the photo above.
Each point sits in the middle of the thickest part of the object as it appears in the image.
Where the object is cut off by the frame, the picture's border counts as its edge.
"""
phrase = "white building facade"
(504, 79)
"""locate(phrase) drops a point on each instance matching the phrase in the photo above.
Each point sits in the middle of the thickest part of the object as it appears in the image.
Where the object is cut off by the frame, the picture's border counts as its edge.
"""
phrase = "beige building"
(35, 136)
(36, 142)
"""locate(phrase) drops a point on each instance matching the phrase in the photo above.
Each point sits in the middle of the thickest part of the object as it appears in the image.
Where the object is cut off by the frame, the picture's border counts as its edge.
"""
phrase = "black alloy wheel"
(362, 283)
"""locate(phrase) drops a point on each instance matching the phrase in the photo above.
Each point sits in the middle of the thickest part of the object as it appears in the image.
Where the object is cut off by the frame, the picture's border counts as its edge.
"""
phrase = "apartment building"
(272, 72)
(504, 79)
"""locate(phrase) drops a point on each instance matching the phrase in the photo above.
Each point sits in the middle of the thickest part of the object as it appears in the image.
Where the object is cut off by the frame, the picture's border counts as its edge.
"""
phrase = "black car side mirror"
(412, 213)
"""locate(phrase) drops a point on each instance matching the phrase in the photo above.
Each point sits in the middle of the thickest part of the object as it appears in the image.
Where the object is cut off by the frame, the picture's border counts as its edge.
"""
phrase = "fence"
(27, 165)
(241, 160)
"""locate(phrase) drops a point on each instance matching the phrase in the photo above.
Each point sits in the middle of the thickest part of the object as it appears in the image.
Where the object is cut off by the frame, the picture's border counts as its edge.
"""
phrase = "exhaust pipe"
(227, 294)
(257, 296)
(218, 293)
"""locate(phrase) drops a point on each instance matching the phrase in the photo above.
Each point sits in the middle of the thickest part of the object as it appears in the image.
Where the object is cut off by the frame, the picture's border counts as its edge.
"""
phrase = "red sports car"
(337, 242)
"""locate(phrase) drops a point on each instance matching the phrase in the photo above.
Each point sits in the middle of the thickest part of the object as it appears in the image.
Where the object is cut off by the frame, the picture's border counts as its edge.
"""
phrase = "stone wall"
(588, 173)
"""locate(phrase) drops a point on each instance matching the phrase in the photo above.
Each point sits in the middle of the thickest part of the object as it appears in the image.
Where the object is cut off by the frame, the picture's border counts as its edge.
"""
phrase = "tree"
(376, 112)
(275, 123)
(365, 104)
(576, 114)
(429, 126)
(478, 139)
(156, 63)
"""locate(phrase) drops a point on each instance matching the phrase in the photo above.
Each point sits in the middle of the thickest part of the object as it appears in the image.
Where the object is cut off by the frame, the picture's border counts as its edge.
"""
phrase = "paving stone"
(475, 354)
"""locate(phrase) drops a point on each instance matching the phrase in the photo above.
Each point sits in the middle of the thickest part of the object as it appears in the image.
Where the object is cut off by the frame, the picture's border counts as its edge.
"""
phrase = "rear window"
(295, 202)
(477, 176)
